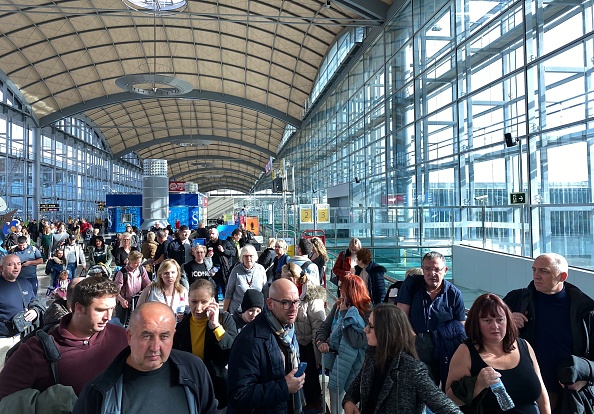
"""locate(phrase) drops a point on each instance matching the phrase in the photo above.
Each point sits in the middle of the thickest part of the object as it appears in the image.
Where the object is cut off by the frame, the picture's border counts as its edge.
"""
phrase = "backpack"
(10, 241)
(418, 282)
(47, 342)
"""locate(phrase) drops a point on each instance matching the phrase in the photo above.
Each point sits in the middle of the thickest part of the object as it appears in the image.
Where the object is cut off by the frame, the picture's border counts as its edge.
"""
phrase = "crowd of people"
(217, 327)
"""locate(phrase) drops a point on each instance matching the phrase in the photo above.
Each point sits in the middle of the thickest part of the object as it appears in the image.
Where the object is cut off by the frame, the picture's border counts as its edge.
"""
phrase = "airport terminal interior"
(417, 125)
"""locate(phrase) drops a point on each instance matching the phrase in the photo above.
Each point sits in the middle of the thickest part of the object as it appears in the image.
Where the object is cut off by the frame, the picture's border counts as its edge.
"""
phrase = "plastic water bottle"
(503, 398)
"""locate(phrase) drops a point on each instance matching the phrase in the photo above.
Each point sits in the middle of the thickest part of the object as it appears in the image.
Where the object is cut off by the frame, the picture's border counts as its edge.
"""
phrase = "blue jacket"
(256, 378)
(104, 393)
(348, 363)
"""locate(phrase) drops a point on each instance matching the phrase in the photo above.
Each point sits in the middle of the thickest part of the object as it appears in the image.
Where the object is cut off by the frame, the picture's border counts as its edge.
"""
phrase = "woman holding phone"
(208, 334)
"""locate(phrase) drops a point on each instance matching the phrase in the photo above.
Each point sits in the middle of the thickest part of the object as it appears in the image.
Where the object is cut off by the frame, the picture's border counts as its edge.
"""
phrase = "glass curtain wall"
(416, 130)
(70, 162)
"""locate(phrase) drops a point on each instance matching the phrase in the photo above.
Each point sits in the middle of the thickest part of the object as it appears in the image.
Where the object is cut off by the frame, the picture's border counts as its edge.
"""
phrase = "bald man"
(149, 376)
(265, 357)
(557, 318)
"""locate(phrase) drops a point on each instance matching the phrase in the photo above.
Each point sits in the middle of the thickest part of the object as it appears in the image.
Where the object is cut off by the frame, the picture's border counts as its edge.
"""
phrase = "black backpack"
(47, 342)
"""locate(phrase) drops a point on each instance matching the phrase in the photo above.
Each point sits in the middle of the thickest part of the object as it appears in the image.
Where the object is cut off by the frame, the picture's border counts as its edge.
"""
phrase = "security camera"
(481, 198)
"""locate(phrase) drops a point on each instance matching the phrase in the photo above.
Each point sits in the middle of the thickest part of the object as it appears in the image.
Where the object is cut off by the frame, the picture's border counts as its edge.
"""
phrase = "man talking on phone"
(263, 366)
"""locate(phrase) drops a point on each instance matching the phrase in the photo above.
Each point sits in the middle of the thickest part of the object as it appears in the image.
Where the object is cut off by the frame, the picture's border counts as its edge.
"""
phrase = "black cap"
(72, 237)
(252, 299)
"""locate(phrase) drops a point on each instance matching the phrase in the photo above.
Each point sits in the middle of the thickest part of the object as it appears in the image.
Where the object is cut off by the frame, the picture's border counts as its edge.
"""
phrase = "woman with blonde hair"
(347, 260)
(149, 246)
(319, 256)
(167, 289)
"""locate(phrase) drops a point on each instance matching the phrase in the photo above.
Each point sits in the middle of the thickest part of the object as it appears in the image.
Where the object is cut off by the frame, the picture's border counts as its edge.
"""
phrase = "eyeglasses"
(433, 269)
(250, 255)
(287, 304)
(371, 327)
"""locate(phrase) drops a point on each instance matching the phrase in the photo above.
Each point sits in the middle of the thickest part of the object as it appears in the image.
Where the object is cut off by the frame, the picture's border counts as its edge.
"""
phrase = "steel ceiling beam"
(196, 95)
(176, 139)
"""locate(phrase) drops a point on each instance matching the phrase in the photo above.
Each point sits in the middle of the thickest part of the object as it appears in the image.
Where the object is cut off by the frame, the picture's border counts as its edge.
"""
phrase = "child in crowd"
(62, 284)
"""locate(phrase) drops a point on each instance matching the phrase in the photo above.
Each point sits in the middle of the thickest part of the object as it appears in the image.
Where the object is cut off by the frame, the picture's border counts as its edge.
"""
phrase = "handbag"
(19, 323)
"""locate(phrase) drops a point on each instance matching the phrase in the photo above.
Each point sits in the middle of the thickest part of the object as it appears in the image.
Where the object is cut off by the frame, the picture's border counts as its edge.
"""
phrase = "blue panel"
(194, 217)
(122, 200)
(178, 216)
(225, 231)
(118, 217)
(176, 200)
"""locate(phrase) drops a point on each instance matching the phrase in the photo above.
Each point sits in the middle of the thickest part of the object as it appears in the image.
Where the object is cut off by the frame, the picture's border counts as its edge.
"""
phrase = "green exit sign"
(517, 198)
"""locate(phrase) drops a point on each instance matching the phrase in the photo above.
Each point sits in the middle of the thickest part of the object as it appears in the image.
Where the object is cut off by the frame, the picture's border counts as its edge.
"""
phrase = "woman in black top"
(266, 259)
(120, 255)
(493, 352)
(100, 253)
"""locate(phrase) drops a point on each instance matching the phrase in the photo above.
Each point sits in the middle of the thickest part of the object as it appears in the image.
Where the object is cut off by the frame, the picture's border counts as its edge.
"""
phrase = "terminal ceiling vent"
(157, 6)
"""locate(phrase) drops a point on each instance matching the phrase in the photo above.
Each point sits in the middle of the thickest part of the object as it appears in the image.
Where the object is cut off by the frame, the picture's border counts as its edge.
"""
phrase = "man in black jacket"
(221, 252)
(557, 319)
(150, 376)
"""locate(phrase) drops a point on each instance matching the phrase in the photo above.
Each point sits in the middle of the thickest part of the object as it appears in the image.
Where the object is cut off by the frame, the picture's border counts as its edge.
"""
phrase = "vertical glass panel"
(552, 25)
(400, 67)
(424, 10)
(434, 40)
(438, 134)
(374, 89)
(437, 86)
(563, 95)
(476, 14)
(399, 31)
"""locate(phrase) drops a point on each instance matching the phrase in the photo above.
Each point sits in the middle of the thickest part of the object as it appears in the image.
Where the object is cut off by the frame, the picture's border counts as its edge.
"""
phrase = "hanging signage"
(177, 186)
(305, 213)
(49, 207)
(517, 198)
(323, 213)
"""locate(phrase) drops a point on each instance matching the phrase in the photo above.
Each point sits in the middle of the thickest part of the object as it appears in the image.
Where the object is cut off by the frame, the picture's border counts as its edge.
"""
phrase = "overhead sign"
(323, 213)
(305, 213)
(517, 198)
(49, 207)
(177, 186)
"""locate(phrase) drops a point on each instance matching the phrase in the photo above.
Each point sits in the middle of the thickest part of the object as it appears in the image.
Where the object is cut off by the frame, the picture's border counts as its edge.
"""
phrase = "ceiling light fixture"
(153, 83)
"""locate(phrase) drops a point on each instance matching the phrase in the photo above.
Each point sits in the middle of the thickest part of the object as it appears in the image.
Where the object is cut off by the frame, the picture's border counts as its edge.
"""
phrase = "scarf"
(287, 336)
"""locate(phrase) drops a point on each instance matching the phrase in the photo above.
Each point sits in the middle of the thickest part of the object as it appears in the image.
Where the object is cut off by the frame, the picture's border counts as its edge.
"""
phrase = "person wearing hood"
(310, 317)
(251, 306)
(247, 274)
(372, 274)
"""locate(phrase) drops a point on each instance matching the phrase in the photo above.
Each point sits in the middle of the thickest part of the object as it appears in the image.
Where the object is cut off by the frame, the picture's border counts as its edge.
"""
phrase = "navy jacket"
(376, 285)
(256, 380)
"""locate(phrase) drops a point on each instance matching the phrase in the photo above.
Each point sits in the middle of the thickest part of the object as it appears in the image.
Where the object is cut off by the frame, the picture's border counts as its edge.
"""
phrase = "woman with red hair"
(343, 333)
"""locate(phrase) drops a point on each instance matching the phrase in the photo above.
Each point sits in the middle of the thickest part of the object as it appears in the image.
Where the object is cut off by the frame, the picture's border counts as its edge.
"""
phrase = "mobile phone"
(301, 369)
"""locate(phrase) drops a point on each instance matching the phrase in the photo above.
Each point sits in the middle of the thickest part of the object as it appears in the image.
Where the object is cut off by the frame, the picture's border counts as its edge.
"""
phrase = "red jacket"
(81, 360)
(342, 266)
